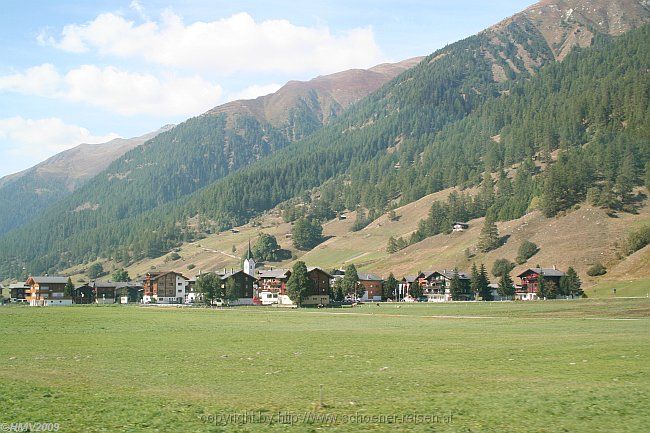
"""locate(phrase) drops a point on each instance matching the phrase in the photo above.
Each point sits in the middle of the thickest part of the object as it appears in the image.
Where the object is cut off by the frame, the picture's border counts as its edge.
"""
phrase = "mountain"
(423, 131)
(300, 107)
(43, 184)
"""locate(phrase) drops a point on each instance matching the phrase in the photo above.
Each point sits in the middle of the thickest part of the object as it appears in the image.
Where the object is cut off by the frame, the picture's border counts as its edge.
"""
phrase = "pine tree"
(389, 287)
(456, 287)
(299, 286)
(351, 281)
(484, 285)
(415, 290)
(489, 237)
(474, 283)
(506, 288)
(68, 290)
(570, 284)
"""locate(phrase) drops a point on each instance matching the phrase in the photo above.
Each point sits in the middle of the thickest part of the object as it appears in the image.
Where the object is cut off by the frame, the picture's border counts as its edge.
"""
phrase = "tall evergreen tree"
(389, 287)
(484, 285)
(506, 288)
(489, 237)
(68, 290)
(299, 286)
(351, 281)
(570, 284)
(456, 288)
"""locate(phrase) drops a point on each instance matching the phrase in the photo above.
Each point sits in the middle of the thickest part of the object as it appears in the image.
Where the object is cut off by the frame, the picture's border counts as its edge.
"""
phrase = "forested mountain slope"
(24, 194)
(402, 142)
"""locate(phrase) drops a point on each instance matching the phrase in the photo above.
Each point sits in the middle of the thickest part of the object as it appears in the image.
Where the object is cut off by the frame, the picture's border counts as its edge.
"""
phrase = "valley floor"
(490, 367)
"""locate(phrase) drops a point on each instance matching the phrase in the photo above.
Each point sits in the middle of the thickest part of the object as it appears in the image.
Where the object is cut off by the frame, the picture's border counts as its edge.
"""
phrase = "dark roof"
(314, 268)
(410, 278)
(49, 280)
(449, 274)
(548, 272)
(230, 274)
(110, 284)
(369, 277)
(275, 273)
(156, 275)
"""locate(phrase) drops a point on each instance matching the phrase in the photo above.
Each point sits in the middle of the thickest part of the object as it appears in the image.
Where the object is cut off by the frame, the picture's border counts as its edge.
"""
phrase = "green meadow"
(553, 366)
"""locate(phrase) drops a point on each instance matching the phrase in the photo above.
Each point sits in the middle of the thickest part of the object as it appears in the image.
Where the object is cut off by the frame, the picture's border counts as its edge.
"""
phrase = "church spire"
(248, 254)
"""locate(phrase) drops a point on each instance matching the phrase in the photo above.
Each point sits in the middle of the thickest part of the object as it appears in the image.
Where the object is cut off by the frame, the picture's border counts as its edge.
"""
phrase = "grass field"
(576, 366)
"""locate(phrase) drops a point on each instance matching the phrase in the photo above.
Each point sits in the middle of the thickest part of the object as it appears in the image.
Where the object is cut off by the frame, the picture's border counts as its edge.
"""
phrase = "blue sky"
(79, 71)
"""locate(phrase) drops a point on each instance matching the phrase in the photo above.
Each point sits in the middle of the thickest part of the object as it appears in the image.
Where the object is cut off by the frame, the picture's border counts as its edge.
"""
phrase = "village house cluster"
(263, 287)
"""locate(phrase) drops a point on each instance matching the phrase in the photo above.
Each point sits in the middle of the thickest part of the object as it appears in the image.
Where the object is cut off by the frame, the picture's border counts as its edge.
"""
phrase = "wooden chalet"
(320, 279)
(273, 280)
(244, 284)
(47, 291)
(84, 294)
(18, 292)
(530, 279)
(436, 285)
(164, 287)
(371, 285)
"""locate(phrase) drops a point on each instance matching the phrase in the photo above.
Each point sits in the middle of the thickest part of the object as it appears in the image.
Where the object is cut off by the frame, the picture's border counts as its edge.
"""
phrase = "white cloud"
(119, 91)
(252, 92)
(229, 45)
(40, 138)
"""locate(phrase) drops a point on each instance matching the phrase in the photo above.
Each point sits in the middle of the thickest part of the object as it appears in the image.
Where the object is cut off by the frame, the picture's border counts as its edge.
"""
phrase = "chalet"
(191, 295)
(371, 286)
(320, 293)
(530, 279)
(84, 294)
(243, 286)
(272, 283)
(436, 285)
(18, 292)
(47, 291)
(458, 226)
(164, 288)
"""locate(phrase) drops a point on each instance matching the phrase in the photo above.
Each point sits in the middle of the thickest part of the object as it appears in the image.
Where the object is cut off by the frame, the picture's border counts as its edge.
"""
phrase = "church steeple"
(249, 263)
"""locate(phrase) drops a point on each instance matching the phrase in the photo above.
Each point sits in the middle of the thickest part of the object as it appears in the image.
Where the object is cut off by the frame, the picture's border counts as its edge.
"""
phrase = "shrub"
(636, 240)
(596, 269)
(174, 256)
(526, 250)
(191, 266)
(502, 267)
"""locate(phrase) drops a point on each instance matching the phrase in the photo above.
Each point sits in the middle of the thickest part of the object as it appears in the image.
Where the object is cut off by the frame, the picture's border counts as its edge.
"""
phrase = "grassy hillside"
(577, 238)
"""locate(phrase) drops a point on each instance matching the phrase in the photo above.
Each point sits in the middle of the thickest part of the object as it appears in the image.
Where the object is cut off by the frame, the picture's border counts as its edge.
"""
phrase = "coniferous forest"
(547, 137)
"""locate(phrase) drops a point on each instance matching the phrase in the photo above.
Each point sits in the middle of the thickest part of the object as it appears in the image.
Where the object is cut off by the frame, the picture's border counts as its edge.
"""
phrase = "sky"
(74, 71)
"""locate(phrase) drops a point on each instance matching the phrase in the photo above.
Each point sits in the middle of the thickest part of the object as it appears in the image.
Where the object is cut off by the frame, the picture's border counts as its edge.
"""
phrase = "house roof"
(369, 277)
(449, 274)
(156, 275)
(110, 284)
(18, 286)
(231, 273)
(49, 280)
(548, 272)
(275, 273)
(410, 278)
(314, 268)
